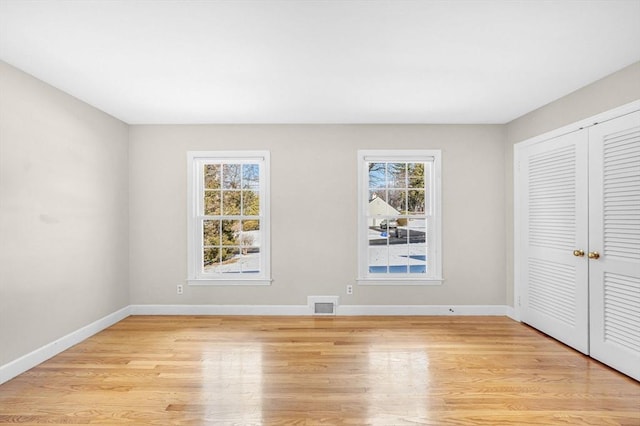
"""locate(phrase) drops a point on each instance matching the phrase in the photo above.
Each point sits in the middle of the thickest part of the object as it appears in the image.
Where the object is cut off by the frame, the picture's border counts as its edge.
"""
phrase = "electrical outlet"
(180, 289)
(349, 289)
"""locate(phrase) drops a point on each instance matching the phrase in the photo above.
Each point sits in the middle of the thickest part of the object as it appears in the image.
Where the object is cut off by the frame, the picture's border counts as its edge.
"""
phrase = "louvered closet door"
(554, 211)
(614, 278)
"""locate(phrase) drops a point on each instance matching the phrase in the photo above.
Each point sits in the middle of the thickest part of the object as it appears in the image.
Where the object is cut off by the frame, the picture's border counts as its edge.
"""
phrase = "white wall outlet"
(180, 289)
(349, 289)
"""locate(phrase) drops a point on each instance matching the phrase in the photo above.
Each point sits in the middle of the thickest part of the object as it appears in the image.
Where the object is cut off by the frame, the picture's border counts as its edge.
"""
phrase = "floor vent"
(324, 308)
(323, 305)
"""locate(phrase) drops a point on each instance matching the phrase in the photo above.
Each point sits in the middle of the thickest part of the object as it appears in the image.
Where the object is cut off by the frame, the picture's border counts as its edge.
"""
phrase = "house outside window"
(399, 236)
(228, 226)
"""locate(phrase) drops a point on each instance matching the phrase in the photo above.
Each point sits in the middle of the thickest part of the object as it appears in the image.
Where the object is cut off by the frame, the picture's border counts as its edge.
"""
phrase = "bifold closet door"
(614, 233)
(553, 201)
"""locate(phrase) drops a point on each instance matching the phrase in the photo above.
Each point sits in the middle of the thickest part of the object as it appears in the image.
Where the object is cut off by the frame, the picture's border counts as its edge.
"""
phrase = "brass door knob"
(593, 255)
(578, 253)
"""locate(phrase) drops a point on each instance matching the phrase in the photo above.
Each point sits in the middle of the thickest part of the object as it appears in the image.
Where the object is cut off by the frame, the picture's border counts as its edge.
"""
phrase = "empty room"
(320, 212)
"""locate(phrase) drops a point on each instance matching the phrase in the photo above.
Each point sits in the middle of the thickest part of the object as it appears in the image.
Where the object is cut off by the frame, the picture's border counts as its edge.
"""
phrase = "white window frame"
(195, 216)
(434, 237)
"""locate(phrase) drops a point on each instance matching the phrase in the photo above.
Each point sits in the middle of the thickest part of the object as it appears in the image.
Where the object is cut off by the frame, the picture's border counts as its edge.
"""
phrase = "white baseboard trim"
(14, 368)
(511, 313)
(486, 310)
(220, 310)
(459, 310)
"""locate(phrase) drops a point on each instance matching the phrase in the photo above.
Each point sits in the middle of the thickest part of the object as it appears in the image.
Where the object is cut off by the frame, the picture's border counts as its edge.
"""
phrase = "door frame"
(518, 284)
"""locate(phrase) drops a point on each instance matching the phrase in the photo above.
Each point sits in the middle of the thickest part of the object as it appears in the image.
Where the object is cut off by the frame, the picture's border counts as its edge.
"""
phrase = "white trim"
(399, 281)
(401, 155)
(511, 313)
(437, 310)
(305, 310)
(241, 156)
(219, 310)
(517, 237)
(242, 282)
(32, 359)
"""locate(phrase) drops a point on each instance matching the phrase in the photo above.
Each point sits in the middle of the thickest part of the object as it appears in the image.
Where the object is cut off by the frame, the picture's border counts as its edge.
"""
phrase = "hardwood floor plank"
(199, 370)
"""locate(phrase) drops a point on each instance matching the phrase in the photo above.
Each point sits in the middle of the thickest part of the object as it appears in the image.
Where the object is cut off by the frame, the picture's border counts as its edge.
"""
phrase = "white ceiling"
(318, 61)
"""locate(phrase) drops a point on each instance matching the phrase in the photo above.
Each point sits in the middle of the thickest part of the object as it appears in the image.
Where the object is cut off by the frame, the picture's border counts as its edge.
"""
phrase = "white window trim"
(195, 276)
(364, 277)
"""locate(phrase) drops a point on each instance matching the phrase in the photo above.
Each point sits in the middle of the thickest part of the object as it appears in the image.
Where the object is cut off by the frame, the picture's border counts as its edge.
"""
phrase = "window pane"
(211, 203)
(418, 258)
(416, 175)
(211, 233)
(416, 201)
(377, 175)
(251, 233)
(211, 258)
(230, 232)
(231, 202)
(251, 203)
(378, 259)
(251, 176)
(230, 259)
(250, 225)
(251, 260)
(212, 176)
(247, 239)
(236, 260)
(417, 230)
(417, 246)
(398, 201)
(231, 176)
(397, 175)
(380, 193)
(399, 252)
(379, 204)
(378, 250)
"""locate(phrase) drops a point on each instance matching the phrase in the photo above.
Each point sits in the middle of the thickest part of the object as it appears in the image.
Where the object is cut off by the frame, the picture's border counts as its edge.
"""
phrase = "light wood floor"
(335, 371)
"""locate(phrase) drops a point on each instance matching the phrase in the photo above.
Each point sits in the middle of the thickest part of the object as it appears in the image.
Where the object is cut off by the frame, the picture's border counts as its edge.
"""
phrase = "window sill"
(401, 281)
(223, 282)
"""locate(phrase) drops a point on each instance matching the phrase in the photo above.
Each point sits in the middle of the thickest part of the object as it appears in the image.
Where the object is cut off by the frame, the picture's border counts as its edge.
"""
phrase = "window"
(228, 217)
(399, 217)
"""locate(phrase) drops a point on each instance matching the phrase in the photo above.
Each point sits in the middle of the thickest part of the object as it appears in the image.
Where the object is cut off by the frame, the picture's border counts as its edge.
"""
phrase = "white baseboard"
(219, 310)
(486, 310)
(512, 313)
(30, 360)
(460, 310)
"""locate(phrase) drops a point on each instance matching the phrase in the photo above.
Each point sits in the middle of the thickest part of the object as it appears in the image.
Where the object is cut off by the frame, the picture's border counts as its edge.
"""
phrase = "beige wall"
(63, 214)
(610, 92)
(313, 184)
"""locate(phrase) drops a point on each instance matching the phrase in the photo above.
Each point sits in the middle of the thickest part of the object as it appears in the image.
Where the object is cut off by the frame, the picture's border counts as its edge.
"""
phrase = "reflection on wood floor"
(193, 370)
